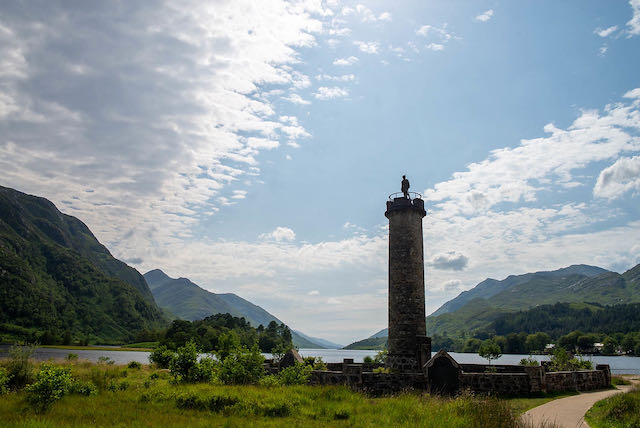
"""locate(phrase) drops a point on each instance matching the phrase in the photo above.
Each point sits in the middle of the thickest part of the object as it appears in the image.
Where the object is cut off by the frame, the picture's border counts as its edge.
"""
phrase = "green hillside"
(466, 315)
(191, 302)
(58, 283)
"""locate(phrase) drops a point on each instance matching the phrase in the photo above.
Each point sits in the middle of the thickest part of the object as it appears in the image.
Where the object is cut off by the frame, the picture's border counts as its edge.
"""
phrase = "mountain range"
(474, 310)
(189, 301)
(57, 278)
(58, 283)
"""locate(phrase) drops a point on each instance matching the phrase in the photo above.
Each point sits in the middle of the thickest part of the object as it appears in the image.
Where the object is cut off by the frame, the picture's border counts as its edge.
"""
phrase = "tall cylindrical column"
(409, 347)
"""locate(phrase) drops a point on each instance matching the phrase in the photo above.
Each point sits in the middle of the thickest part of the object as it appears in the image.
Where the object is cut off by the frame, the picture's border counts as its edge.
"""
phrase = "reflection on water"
(618, 365)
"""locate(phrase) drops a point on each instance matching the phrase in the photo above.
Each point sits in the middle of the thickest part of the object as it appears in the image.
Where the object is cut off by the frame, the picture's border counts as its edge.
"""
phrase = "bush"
(20, 367)
(530, 361)
(315, 362)
(381, 356)
(72, 357)
(269, 381)
(4, 381)
(161, 356)
(134, 365)
(51, 384)
(184, 366)
(242, 366)
(83, 388)
(205, 370)
(367, 359)
(297, 374)
(215, 403)
(561, 360)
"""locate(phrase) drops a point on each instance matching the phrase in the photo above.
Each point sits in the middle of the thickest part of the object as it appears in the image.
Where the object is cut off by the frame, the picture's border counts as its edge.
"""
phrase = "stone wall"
(582, 380)
(496, 383)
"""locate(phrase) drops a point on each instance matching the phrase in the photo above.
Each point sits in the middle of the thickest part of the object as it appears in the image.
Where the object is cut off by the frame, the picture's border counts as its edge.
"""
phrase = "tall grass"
(153, 399)
(620, 410)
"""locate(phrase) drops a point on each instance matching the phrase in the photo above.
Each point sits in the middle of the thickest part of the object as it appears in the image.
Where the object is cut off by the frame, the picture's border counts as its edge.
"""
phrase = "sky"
(250, 146)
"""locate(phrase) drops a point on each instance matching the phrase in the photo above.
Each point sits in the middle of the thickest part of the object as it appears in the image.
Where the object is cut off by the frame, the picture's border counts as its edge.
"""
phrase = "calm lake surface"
(619, 365)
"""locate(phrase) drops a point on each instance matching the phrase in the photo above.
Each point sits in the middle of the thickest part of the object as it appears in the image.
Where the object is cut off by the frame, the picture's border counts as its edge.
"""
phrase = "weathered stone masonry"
(409, 347)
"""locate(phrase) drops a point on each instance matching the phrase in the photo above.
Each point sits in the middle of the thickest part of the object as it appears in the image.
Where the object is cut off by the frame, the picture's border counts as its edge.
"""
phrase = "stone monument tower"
(409, 346)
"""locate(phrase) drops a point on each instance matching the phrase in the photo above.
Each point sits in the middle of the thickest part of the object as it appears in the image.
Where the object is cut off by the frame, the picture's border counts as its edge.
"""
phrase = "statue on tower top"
(405, 186)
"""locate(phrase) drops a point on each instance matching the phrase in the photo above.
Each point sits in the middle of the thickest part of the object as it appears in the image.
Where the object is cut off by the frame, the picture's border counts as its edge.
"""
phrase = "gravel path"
(568, 412)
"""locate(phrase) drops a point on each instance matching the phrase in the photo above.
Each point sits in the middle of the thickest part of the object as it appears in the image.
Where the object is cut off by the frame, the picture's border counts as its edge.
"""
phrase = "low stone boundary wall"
(501, 383)
(583, 380)
(503, 379)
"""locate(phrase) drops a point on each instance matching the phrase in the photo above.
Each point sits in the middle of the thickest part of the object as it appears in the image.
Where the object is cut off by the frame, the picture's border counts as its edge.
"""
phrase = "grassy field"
(618, 411)
(147, 397)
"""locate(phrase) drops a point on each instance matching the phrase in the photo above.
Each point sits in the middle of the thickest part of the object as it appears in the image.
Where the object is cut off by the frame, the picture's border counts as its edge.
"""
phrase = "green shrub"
(382, 370)
(297, 374)
(184, 367)
(529, 361)
(105, 360)
(4, 381)
(20, 368)
(134, 365)
(269, 381)
(215, 403)
(83, 388)
(242, 366)
(315, 362)
(367, 359)
(123, 386)
(52, 382)
(72, 357)
(205, 370)
(381, 356)
(154, 376)
(162, 357)
(561, 361)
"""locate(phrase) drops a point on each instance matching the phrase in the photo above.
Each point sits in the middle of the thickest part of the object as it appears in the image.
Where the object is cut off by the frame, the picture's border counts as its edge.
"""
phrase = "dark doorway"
(444, 376)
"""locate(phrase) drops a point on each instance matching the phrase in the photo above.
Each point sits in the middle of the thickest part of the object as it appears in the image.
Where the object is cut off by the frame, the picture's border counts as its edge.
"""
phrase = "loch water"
(619, 365)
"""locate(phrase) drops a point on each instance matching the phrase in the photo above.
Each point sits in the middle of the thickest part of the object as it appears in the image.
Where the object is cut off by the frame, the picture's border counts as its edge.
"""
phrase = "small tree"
(489, 350)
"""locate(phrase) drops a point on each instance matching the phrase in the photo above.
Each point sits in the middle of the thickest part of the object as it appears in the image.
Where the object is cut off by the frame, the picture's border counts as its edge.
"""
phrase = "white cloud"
(367, 14)
(313, 293)
(603, 50)
(345, 61)
(279, 234)
(452, 285)
(342, 78)
(435, 47)
(606, 32)
(621, 177)
(327, 93)
(296, 99)
(518, 174)
(451, 260)
(634, 93)
(160, 127)
(634, 23)
(370, 48)
(333, 301)
(485, 16)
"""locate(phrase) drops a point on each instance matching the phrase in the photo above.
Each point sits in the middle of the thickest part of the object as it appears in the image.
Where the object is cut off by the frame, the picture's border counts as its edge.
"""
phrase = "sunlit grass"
(618, 411)
(147, 397)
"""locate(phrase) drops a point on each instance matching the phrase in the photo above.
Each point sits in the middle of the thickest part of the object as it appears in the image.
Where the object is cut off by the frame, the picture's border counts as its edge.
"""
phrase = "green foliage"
(242, 366)
(381, 356)
(214, 403)
(59, 282)
(51, 384)
(184, 366)
(369, 343)
(561, 360)
(72, 357)
(298, 374)
(472, 345)
(530, 361)
(367, 359)
(618, 411)
(20, 368)
(4, 381)
(315, 362)
(161, 356)
(382, 370)
(489, 350)
(83, 388)
(228, 342)
(134, 365)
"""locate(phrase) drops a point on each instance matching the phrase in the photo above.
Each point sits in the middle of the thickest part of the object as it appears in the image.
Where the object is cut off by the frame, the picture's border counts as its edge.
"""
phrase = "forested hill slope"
(56, 278)
(189, 301)
(490, 287)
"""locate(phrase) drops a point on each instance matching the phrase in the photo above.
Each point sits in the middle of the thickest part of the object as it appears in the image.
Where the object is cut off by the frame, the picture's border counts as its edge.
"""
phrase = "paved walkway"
(568, 412)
